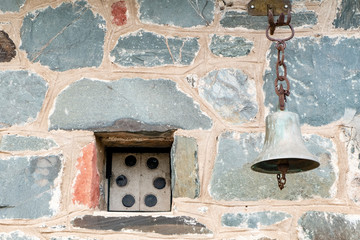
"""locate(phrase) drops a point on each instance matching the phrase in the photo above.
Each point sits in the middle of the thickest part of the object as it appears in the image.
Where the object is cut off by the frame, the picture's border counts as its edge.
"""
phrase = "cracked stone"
(231, 94)
(21, 95)
(166, 12)
(29, 190)
(348, 15)
(67, 37)
(11, 5)
(126, 105)
(149, 49)
(230, 46)
(314, 67)
(7, 48)
(21, 143)
(236, 153)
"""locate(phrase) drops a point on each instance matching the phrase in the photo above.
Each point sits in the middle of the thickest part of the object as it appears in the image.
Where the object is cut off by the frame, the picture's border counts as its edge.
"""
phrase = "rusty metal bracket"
(262, 7)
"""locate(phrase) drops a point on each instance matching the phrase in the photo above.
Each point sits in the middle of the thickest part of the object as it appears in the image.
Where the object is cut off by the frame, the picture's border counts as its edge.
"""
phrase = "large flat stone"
(233, 179)
(233, 19)
(150, 49)
(166, 12)
(325, 225)
(17, 235)
(253, 220)
(21, 95)
(28, 187)
(231, 93)
(323, 73)
(230, 46)
(185, 168)
(162, 225)
(22, 143)
(348, 15)
(126, 105)
(67, 37)
(11, 5)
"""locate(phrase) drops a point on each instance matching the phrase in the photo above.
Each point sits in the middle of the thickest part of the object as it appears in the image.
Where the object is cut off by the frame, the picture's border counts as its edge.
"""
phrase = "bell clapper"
(282, 179)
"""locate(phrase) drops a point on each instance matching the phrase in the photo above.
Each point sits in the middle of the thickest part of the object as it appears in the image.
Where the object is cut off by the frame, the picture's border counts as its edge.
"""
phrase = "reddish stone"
(86, 187)
(118, 11)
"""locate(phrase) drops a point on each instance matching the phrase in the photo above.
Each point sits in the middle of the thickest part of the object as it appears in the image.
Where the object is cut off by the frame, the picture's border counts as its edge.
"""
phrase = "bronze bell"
(284, 150)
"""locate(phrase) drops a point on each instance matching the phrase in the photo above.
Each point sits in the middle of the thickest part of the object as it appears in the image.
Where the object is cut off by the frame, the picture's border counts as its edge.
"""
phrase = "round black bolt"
(121, 181)
(128, 200)
(150, 200)
(130, 161)
(152, 163)
(159, 183)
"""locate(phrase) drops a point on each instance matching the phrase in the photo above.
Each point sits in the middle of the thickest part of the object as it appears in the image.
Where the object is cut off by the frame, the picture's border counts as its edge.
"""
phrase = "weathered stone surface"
(21, 95)
(348, 15)
(126, 103)
(21, 143)
(119, 13)
(86, 189)
(324, 226)
(231, 94)
(11, 5)
(314, 67)
(230, 46)
(67, 37)
(185, 169)
(29, 190)
(233, 178)
(166, 12)
(72, 238)
(149, 49)
(233, 19)
(253, 220)
(162, 225)
(17, 235)
(7, 48)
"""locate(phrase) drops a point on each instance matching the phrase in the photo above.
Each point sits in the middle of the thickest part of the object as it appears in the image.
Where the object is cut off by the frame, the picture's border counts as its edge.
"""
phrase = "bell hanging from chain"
(284, 150)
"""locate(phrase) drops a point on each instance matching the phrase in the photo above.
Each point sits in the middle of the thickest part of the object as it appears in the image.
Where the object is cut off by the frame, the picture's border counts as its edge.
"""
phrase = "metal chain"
(281, 181)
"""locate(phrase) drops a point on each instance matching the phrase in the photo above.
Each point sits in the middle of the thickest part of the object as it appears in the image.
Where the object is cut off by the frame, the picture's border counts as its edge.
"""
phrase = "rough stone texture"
(86, 189)
(11, 5)
(28, 190)
(17, 235)
(231, 94)
(253, 220)
(119, 13)
(21, 95)
(163, 225)
(22, 143)
(72, 238)
(67, 37)
(230, 46)
(314, 66)
(149, 49)
(7, 48)
(185, 169)
(324, 226)
(233, 179)
(166, 12)
(233, 19)
(348, 15)
(104, 104)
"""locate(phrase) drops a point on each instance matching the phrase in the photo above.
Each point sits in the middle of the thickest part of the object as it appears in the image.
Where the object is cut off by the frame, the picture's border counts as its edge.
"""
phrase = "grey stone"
(27, 190)
(11, 5)
(233, 179)
(67, 37)
(323, 73)
(325, 225)
(233, 19)
(98, 105)
(149, 49)
(185, 169)
(17, 235)
(21, 143)
(348, 15)
(231, 94)
(230, 46)
(162, 225)
(166, 12)
(73, 238)
(253, 220)
(21, 95)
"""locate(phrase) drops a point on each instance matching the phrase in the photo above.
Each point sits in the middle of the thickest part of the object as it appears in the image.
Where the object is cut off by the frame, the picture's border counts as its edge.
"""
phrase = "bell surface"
(284, 146)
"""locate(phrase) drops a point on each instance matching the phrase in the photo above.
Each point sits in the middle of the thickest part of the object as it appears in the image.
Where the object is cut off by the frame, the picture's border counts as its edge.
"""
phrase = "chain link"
(281, 181)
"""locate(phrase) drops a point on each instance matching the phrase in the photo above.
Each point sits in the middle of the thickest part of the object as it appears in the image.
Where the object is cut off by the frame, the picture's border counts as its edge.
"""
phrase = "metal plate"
(261, 7)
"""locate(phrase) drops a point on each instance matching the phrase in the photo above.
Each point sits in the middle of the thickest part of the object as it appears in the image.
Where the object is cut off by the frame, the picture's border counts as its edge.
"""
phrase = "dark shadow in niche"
(7, 48)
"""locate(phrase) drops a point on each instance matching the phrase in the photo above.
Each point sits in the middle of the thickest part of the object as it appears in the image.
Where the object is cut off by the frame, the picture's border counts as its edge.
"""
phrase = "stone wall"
(72, 69)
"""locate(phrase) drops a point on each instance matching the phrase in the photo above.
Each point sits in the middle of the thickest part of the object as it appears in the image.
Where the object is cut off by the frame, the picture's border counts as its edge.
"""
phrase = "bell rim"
(310, 165)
